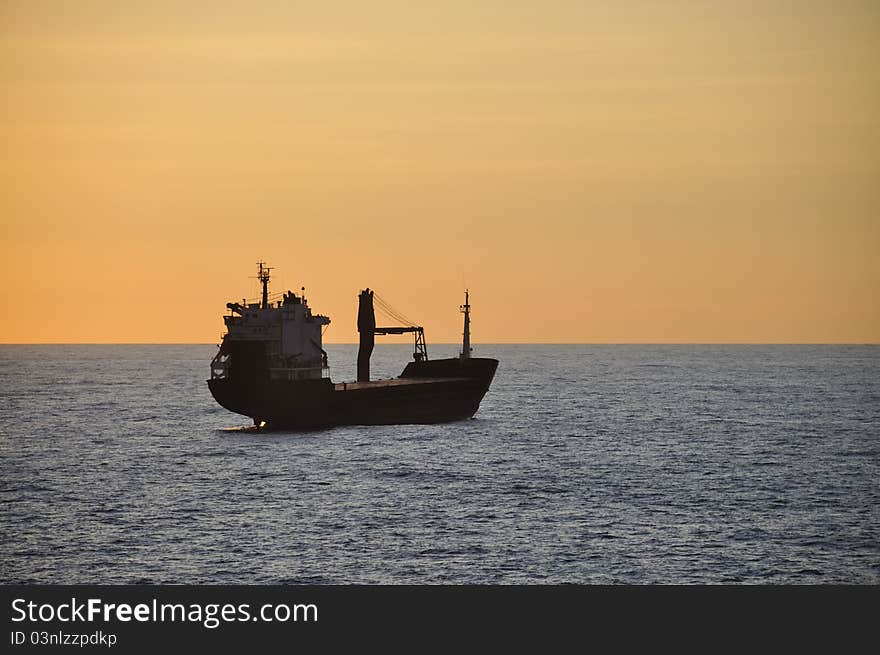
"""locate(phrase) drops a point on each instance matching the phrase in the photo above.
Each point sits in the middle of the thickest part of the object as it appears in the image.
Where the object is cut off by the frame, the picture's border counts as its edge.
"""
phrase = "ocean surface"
(585, 464)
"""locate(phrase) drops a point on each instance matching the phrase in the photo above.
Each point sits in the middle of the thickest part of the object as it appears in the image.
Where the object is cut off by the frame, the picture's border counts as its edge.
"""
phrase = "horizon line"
(485, 343)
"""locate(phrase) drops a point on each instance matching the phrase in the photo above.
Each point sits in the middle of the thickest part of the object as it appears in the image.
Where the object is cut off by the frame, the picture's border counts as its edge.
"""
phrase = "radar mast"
(466, 340)
(263, 276)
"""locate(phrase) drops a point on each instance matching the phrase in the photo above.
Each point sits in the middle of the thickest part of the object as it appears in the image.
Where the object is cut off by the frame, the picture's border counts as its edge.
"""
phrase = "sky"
(594, 172)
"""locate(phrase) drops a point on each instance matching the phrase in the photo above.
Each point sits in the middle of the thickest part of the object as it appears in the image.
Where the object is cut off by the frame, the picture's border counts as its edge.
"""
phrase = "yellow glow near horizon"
(645, 172)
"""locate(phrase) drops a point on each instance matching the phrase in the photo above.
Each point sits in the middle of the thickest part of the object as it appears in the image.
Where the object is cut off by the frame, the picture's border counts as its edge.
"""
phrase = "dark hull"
(434, 391)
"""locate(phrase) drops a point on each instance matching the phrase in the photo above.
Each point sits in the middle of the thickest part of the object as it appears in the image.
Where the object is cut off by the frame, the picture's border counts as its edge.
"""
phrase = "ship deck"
(394, 382)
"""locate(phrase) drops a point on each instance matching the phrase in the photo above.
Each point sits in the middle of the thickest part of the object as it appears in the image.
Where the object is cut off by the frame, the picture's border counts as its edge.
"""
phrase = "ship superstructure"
(284, 335)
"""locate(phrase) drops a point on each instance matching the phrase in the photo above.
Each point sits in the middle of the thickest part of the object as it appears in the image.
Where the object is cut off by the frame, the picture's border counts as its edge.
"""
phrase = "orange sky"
(595, 172)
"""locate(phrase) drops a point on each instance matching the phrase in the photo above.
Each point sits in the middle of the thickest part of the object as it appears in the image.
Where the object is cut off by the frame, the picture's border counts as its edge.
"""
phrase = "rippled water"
(585, 464)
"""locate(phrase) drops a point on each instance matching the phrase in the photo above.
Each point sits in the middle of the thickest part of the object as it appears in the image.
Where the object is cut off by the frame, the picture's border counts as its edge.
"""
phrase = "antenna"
(466, 335)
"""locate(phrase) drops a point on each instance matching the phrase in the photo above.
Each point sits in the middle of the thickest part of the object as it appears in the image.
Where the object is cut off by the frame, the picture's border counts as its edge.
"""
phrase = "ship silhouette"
(271, 367)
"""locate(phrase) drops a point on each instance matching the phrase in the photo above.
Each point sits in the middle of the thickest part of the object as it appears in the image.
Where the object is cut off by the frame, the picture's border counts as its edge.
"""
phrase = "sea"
(585, 464)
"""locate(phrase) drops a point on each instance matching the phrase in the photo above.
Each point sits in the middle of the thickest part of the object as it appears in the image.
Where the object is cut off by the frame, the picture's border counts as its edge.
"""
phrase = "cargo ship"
(271, 366)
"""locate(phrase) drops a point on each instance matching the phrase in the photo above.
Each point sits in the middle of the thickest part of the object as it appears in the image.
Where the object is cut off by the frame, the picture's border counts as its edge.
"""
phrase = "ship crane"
(420, 353)
(420, 348)
(368, 330)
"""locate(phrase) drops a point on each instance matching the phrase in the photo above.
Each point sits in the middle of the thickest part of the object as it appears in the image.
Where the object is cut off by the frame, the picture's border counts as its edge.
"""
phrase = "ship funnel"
(367, 330)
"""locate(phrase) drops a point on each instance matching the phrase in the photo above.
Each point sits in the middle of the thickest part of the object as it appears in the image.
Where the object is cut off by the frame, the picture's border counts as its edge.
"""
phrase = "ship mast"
(466, 341)
(264, 278)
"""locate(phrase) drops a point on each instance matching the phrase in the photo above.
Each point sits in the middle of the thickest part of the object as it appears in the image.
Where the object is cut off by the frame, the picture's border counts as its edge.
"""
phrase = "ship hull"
(433, 391)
